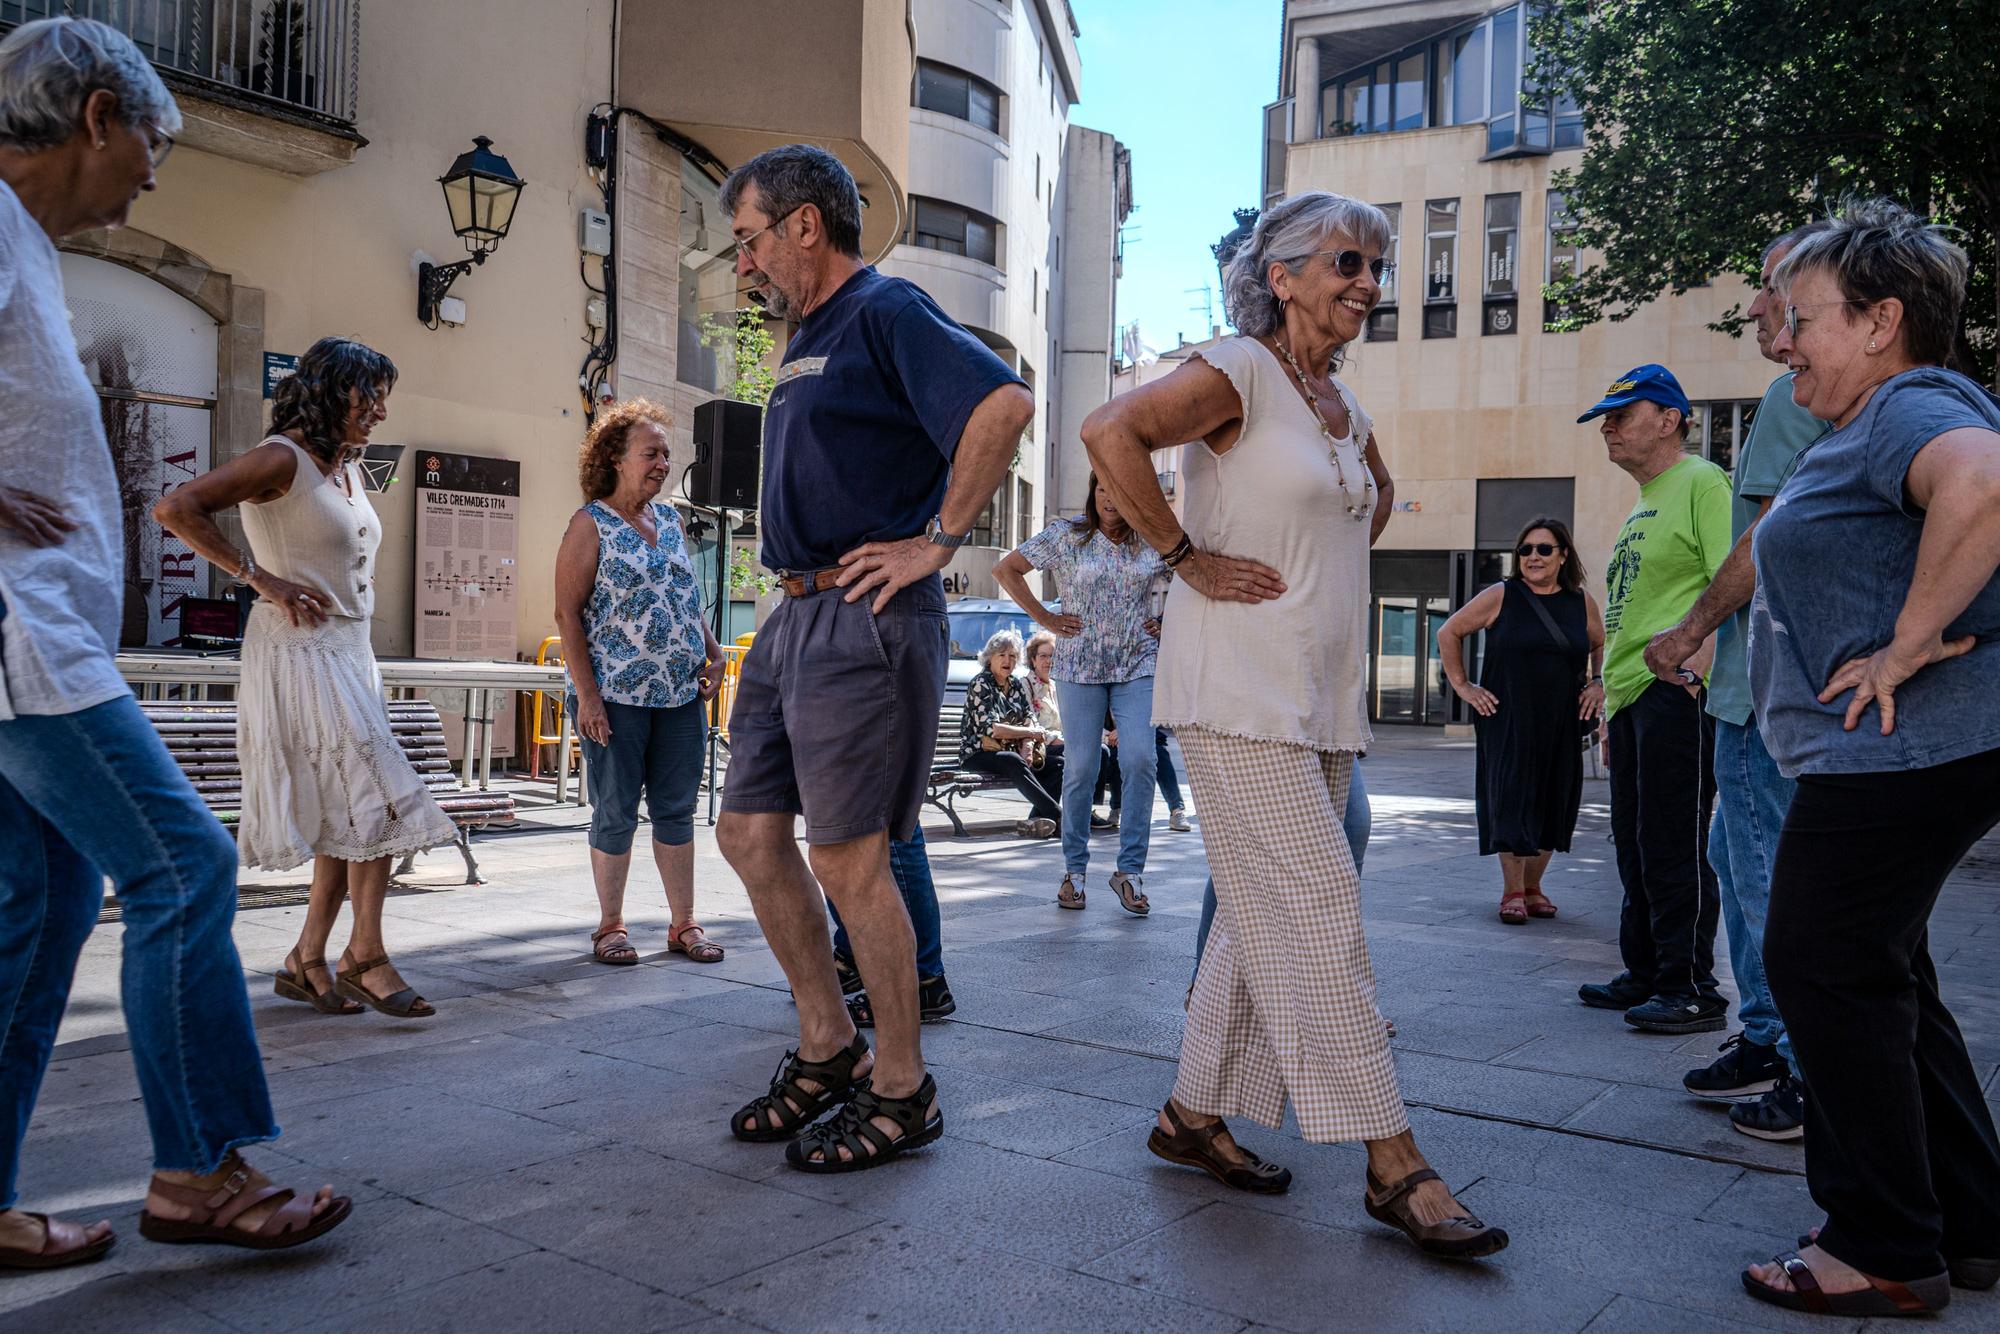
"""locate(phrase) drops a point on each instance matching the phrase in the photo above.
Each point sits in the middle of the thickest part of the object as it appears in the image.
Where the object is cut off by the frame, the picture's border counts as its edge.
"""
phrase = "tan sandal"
(404, 1004)
(691, 940)
(42, 1257)
(217, 1208)
(1130, 896)
(618, 952)
(1069, 894)
(1453, 1239)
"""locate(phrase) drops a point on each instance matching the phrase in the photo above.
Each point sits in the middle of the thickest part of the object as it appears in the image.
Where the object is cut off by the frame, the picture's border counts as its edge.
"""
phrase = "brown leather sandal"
(604, 949)
(298, 987)
(1454, 1239)
(1192, 1146)
(1883, 1296)
(1539, 905)
(1069, 894)
(19, 1257)
(217, 1208)
(691, 940)
(404, 1004)
(1514, 910)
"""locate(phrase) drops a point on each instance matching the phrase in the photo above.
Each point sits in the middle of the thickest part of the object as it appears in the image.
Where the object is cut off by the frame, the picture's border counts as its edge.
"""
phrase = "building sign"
(468, 511)
(278, 366)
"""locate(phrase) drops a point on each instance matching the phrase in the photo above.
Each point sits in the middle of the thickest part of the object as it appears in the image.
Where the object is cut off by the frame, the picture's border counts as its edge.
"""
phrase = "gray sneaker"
(1177, 820)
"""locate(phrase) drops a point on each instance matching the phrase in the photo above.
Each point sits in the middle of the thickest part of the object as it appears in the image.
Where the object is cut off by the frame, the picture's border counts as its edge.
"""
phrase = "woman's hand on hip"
(1151, 625)
(1230, 578)
(1481, 700)
(303, 607)
(593, 721)
(38, 522)
(1064, 627)
(1591, 704)
(1874, 677)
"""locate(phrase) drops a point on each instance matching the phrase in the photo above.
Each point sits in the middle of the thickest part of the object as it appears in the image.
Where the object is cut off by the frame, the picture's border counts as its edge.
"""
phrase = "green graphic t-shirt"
(1672, 544)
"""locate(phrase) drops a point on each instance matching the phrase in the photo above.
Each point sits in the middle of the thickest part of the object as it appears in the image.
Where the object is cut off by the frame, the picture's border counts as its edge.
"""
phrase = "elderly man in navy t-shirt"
(887, 433)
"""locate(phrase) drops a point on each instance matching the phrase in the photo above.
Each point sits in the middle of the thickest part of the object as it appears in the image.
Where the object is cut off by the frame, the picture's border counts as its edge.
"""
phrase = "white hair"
(1003, 641)
(1290, 233)
(50, 67)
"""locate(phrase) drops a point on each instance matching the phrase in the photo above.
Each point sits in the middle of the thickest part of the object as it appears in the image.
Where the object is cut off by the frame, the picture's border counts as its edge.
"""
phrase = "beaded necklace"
(1332, 446)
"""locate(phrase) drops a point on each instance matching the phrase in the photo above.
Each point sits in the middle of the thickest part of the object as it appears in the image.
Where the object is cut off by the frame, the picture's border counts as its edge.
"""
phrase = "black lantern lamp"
(481, 191)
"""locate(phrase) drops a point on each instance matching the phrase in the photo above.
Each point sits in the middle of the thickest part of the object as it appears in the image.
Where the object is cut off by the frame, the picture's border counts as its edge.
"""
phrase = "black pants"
(1662, 789)
(1900, 1149)
(1034, 784)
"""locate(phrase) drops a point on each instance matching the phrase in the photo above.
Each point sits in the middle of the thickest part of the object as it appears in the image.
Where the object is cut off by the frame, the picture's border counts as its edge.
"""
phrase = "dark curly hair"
(610, 435)
(314, 400)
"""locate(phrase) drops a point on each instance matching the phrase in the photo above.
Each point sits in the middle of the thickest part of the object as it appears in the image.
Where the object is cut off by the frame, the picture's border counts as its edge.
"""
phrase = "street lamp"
(481, 190)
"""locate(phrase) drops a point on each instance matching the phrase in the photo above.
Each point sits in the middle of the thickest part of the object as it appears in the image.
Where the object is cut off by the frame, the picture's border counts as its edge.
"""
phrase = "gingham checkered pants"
(1284, 1004)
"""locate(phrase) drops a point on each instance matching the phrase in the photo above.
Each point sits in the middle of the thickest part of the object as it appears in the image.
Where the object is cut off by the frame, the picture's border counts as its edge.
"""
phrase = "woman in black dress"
(1532, 700)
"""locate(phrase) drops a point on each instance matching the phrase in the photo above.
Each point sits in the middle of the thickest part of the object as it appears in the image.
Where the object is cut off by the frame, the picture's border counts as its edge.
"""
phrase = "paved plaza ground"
(550, 1152)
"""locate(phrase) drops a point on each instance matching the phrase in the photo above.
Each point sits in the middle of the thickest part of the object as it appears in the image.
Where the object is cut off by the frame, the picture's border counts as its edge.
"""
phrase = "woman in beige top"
(324, 778)
(1260, 677)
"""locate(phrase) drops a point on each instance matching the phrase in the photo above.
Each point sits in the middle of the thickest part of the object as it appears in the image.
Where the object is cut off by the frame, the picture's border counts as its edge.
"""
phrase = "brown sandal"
(292, 1223)
(604, 951)
(404, 1004)
(1514, 910)
(691, 940)
(1069, 894)
(16, 1257)
(1191, 1146)
(1454, 1239)
(1882, 1296)
(298, 986)
(1539, 905)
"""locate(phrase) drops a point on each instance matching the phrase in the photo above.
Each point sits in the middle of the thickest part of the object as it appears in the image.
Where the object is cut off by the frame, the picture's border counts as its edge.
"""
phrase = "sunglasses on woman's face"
(1349, 263)
(1537, 549)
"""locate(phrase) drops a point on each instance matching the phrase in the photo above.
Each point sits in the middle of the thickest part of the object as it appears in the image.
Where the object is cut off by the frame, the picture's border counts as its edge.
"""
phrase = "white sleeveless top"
(319, 536)
(1289, 669)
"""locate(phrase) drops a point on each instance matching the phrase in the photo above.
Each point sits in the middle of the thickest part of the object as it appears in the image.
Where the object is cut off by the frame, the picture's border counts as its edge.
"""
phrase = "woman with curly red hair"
(641, 664)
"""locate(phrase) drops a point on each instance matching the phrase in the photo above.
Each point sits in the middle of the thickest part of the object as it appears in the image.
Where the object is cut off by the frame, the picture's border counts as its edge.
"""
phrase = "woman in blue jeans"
(1107, 642)
(910, 865)
(87, 789)
(642, 662)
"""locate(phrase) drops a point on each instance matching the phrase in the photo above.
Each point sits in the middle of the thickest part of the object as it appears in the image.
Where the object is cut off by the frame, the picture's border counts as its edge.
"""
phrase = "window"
(990, 525)
(1035, 294)
(1408, 110)
(1717, 429)
(1500, 131)
(953, 92)
(1441, 268)
(1277, 135)
(1562, 257)
(1501, 289)
(936, 225)
(1468, 82)
(1038, 175)
(1024, 509)
(707, 283)
(1382, 321)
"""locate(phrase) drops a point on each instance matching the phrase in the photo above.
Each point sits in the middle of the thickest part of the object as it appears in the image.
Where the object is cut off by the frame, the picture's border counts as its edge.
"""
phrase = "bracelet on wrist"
(1179, 552)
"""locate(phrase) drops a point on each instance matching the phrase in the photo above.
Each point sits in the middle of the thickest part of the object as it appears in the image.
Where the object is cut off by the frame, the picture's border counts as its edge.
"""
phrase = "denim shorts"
(836, 713)
(652, 752)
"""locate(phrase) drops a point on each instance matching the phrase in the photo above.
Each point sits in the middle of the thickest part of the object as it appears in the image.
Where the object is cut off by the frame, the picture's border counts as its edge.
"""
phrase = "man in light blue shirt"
(1755, 1072)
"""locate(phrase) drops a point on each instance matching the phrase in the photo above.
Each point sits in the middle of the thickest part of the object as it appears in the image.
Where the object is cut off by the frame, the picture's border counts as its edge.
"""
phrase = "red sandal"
(1514, 910)
(689, 939)
(613, 945)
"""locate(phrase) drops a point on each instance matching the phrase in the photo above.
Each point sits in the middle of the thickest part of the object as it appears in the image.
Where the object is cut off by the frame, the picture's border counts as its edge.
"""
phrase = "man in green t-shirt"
(1661, 781)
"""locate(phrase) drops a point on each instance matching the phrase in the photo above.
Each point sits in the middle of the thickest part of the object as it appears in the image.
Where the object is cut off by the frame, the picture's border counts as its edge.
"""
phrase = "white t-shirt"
(62, 604)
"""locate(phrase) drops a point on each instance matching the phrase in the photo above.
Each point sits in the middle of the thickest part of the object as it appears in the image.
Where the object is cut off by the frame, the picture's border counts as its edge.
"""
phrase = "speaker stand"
(722, 553)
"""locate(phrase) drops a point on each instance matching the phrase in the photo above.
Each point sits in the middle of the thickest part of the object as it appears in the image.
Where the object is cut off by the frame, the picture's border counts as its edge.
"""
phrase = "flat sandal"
(1882, 1296)
(299, 987)
(404, 1004)
(1194, 1146)
(1453, 1239)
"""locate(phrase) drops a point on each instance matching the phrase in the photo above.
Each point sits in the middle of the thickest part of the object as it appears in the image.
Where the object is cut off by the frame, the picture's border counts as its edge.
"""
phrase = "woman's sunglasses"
(1537, 549)
(1349, 263)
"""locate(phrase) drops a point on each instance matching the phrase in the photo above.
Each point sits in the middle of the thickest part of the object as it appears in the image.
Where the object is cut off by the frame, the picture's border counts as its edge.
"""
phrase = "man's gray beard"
(778, 304)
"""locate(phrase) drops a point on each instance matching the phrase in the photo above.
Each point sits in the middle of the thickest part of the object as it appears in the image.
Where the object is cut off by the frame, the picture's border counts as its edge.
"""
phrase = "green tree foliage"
(1714, 125)
(749, 343)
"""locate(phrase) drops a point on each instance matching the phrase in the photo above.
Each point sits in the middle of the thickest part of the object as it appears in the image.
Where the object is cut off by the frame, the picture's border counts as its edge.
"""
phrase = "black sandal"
(790, 1106)
(1192, 1146)
(934, 1002)
(849, 975)
(404, 1004)
(1921, 1296)
(867, 1144)
(298, 986)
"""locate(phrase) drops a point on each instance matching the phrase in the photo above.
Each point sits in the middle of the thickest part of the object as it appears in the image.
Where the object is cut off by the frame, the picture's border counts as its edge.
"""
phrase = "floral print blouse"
(1108, 585)
(987, 703)
(643, 619)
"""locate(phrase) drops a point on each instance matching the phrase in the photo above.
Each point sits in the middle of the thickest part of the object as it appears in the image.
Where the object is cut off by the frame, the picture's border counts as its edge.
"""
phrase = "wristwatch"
(934, 530)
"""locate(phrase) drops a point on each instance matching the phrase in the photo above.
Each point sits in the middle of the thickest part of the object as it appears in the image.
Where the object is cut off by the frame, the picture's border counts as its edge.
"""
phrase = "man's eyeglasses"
(1792, 320)
(1349, 263)
(743, 242)
(1537, 549)
(158, 142)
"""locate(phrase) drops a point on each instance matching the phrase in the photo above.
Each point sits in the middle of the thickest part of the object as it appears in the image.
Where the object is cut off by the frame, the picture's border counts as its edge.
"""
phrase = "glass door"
(1405, 672)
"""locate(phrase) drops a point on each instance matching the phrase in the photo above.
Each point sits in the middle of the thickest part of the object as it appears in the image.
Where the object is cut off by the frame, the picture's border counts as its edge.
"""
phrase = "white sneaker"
(1178, 821)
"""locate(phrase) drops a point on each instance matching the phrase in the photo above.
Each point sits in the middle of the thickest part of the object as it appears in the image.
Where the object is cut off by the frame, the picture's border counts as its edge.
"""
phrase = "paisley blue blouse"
(643, 620)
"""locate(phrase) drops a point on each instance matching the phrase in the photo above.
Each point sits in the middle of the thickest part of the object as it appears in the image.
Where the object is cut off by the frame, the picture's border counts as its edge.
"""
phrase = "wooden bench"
(202, 739)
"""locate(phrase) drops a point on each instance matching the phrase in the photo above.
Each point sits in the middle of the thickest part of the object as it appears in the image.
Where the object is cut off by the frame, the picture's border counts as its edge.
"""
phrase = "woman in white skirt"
(324, 779)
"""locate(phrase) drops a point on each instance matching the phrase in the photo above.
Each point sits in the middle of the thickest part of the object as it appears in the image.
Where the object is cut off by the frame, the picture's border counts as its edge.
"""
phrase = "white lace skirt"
(322, 772)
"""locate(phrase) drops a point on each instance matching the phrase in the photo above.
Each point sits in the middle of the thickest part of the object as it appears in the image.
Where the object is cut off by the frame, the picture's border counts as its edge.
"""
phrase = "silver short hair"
(1875, 249)
(48, 68)
(1001, 641)
(1289, 233)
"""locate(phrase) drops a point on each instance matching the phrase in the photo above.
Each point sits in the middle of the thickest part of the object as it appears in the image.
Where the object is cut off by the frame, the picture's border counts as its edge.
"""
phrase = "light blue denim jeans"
(1129, 704)
(1356, 822)
(93, 794)
(1751, 798)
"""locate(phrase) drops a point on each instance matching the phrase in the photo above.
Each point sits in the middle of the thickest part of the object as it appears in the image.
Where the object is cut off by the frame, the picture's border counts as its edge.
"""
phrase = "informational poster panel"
(468, 509)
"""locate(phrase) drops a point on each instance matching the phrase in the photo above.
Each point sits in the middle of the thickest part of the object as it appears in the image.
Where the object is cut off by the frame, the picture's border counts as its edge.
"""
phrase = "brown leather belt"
(810, 582)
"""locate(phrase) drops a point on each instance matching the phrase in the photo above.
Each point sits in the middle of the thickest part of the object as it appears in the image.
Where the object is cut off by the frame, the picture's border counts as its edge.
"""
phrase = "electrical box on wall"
(593, 232)
(451, 310)
(593, 312)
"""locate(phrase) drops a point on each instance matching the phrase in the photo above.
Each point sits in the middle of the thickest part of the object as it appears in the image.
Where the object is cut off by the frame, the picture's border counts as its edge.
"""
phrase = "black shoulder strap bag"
(1564, 642)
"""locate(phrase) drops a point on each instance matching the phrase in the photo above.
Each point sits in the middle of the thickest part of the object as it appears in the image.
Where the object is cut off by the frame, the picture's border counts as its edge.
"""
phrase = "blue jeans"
(1170, 782)
(93, 794)
(1084, 708)
(911, 866)
(1751, 800)
(1356, 821)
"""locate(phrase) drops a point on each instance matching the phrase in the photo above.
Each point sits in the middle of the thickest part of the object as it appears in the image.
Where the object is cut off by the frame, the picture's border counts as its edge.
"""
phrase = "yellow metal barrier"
(732, 668)
(547, 707)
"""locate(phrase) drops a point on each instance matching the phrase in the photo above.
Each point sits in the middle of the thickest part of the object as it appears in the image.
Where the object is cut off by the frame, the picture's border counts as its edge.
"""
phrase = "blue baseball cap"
(1651, 382)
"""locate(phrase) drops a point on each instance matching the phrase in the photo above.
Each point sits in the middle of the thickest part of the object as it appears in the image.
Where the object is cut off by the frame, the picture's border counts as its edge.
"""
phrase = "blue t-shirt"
(874, 392)
(1834, 561)
(1778, 434)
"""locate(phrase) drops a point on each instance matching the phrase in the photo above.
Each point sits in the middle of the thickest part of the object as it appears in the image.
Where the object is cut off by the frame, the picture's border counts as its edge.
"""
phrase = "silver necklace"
(1332, 445)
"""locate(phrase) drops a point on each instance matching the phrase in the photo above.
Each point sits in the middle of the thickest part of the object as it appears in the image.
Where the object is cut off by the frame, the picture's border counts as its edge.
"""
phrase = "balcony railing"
(302, 54)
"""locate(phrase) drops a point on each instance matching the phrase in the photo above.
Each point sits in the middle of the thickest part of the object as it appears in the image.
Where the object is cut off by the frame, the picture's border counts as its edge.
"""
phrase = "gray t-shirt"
(59, 628)
(1834, 561)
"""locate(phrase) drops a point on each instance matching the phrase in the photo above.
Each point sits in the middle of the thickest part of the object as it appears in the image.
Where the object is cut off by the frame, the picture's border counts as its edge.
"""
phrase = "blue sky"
(1182, 83)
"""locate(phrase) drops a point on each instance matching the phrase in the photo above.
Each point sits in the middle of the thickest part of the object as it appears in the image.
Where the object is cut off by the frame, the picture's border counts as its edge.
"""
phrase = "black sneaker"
(934, 1001)
(1743, 1071)
(1678, 1015)
(1778, 1115)
(1620, 993)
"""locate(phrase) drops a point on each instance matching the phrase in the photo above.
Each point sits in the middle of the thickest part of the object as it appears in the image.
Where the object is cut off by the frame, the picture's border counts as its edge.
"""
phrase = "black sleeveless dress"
(1530, 778)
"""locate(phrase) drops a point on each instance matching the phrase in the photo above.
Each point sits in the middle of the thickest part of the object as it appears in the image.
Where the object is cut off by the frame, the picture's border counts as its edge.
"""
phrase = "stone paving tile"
(1526, 1095)
(1154, 1031)
(1038, 1122)
(84, 1081)
(1630, 1315)
(1767, 1202)
(94, 1299)
(1674, 1120)
(1045, 1062)
(898, 1277)
(532, 1294)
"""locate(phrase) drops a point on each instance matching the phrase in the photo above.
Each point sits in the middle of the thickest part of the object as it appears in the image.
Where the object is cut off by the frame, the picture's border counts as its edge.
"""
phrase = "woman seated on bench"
(998, 735)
